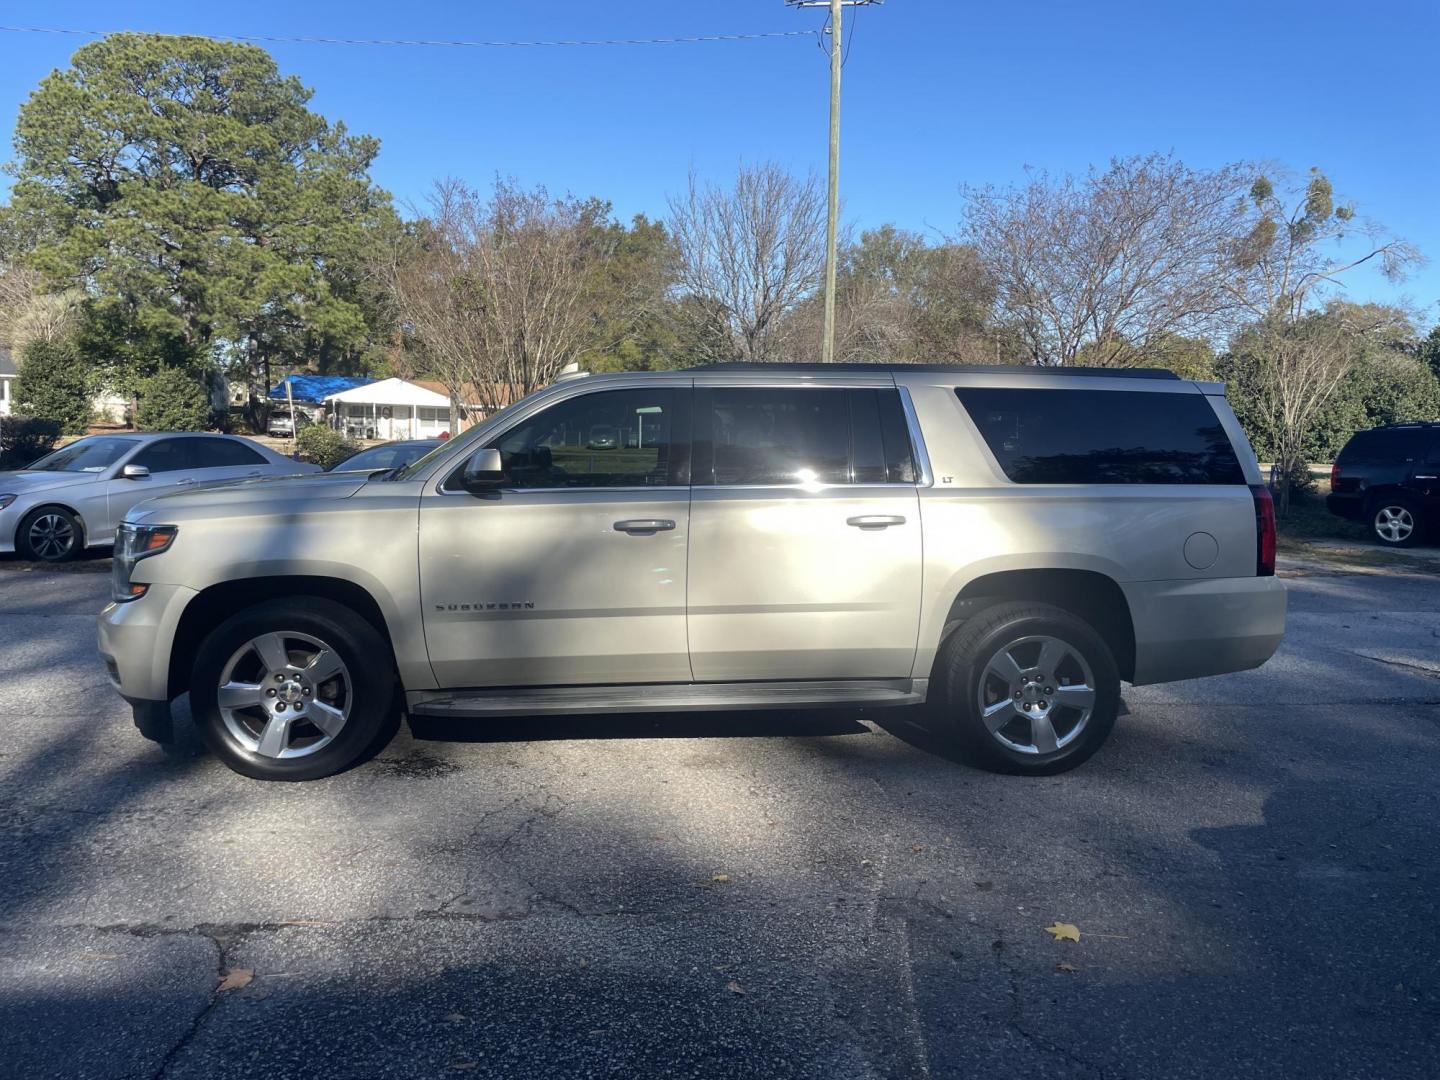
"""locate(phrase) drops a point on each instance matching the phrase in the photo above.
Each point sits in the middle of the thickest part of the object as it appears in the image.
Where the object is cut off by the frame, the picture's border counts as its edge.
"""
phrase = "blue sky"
(937, 93)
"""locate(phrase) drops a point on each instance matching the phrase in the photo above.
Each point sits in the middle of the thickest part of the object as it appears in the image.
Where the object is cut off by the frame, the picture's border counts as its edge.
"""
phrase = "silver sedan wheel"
(1394, 523)
(51, 536)
(1036, 695)
(285, 695)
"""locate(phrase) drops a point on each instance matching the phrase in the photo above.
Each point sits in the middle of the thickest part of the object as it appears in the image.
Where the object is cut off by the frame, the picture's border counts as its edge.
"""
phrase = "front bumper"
(1210, 626)
(135, 641)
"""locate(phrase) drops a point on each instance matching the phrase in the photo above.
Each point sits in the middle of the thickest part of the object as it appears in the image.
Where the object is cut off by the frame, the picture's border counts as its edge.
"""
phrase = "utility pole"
(827, 347)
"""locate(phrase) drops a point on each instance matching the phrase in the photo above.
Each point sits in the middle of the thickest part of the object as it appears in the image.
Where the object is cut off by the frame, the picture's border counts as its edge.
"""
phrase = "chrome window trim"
(552, 490)
(917, 440)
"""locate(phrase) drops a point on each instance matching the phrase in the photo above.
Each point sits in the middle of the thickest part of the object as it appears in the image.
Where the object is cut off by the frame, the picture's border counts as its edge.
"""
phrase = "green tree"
(173, 399)
(185, 184)
(55, 383)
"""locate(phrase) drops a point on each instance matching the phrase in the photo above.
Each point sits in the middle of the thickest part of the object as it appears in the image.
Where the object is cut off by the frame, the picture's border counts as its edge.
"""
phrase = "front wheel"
(1028, 688)
(293, 689)
(50, 534)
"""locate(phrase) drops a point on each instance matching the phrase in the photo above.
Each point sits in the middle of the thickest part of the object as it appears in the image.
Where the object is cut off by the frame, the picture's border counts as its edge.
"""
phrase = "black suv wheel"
(1395, 520)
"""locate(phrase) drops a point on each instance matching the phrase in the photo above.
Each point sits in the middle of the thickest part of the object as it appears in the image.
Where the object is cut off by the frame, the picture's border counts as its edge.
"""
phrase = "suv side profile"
(1002, 546)
(1389, 478)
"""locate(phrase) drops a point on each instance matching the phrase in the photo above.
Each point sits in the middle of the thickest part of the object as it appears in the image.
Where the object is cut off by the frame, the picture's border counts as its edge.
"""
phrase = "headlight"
(133, 543)
(6, 500)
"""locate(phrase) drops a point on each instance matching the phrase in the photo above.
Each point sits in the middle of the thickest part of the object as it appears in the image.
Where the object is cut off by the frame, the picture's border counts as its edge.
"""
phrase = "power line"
(433, 43)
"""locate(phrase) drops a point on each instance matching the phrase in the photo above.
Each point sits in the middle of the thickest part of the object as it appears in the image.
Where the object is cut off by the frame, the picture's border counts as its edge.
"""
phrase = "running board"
(666, 697)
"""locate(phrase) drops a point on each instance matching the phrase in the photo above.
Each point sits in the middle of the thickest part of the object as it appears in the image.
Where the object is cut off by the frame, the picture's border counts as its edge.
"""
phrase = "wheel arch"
(1088, 594)
(216, 603)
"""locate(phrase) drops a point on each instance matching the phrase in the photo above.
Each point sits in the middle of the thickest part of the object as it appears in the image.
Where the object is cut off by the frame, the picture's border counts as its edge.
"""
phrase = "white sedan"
(73, 498)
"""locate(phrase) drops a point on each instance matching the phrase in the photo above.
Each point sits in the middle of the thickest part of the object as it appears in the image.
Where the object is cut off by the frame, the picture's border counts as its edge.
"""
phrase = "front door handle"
(644, 526)
(875, 521)
(1426, 476)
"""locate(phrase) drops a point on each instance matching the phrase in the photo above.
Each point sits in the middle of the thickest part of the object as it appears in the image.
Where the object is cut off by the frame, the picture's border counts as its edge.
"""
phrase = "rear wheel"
(1028, 688)
(293, 689)
(1395, 521)
(50, 534)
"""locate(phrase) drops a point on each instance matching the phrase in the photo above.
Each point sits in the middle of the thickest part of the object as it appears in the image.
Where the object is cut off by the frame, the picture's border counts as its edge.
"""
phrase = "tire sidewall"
(367, 659)
(22, 535)
(965, 660)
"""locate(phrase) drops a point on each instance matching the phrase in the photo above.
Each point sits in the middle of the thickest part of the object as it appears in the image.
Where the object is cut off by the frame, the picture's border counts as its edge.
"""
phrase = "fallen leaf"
(721, 878)
(917, 848)
(1064, 931)
(1063, 966)
(235, 979)
(454, 1018)
(734, 987)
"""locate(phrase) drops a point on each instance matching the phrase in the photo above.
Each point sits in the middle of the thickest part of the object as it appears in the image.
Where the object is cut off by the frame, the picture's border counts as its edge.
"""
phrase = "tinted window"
(613, 438)
(1103, 436)
(899, 455)
(1383, 447)
(764, 436)
(223, 454)
(166, 455)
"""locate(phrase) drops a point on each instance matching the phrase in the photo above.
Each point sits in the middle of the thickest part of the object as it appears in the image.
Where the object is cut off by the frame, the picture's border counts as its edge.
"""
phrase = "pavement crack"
(221, 943)
(1421, 668)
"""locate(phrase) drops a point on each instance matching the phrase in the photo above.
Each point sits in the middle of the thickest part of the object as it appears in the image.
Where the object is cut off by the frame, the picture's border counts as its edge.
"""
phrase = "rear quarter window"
(1382, 447)
(1103, 436)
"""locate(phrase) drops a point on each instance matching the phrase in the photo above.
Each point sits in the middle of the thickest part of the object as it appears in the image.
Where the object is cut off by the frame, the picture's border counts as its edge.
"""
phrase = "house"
(390, 409)
(472, 411)
(8, 371)
(310, 391)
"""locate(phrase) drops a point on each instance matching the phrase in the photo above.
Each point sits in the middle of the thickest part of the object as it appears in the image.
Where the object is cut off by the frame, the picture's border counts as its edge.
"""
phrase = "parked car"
(1002, 545)
(282, 423)
(1389, 478)
(390, 455)
(73, 498)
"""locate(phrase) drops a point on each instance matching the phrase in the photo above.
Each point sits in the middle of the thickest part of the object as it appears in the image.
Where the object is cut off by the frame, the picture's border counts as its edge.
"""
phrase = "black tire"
(963, 661)
(1388, 516)
(370, 686)
(44, 526)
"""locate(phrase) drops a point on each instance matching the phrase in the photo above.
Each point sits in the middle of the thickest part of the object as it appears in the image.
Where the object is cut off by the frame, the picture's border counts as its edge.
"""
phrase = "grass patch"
(1307, 519)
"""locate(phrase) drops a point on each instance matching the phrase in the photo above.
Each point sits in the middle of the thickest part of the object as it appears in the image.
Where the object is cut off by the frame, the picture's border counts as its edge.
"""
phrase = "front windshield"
(91, 455)
(420, 464)
(384, 457)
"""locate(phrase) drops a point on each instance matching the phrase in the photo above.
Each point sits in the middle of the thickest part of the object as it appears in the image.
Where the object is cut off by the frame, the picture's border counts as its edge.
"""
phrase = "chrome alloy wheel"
(285, 695)
(1394, 523)
(51, 537)
(1036, 695)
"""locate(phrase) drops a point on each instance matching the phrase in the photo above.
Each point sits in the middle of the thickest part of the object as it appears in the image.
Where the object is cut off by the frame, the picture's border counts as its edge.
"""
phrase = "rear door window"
(1383, 447)
(167, 455)
(223, 454)
(1065, 436)
(782, 436)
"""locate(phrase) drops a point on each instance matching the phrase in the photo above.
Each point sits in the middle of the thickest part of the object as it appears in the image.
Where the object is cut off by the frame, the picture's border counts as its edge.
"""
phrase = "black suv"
(1389, 478)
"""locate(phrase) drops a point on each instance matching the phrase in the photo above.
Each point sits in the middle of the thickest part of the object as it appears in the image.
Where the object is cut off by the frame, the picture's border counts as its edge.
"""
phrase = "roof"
(470, 395)
(7, 363)
(391, 392)
(958, 369)
(313, 389)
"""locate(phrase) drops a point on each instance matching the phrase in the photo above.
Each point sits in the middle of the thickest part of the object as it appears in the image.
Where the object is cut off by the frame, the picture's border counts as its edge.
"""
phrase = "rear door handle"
(1426, 476)
(875, 521)
(644, 526)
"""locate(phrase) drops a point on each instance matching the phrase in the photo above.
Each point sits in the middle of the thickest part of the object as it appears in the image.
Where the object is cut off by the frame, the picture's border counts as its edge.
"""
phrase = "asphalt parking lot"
(1251, 863)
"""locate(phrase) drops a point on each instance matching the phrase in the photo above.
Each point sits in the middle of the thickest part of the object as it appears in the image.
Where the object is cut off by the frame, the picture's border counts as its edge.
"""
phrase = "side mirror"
(483, 470)
(135, 472)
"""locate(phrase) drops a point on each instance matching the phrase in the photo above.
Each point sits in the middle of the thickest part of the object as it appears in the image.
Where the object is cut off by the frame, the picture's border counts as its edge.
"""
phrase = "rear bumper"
(135, 641)
(1189, 629)
(1350, 507)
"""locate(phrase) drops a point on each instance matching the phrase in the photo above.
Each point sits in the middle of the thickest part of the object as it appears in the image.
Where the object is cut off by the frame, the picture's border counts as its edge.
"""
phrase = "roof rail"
(957, 369)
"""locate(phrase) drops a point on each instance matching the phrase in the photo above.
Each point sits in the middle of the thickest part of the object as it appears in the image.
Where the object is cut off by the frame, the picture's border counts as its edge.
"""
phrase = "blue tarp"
(313, 389)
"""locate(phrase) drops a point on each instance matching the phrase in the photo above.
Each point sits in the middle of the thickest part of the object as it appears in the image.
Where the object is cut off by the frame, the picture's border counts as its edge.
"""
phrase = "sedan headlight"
(6, 500)
(133, 543)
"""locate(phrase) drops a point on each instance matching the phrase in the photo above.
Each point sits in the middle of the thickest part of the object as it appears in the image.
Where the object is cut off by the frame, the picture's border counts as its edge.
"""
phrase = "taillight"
(1335, 476)
(1264, 531)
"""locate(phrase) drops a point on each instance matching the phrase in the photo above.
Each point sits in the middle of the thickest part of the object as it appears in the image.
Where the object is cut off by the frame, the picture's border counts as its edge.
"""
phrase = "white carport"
(390, 409)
